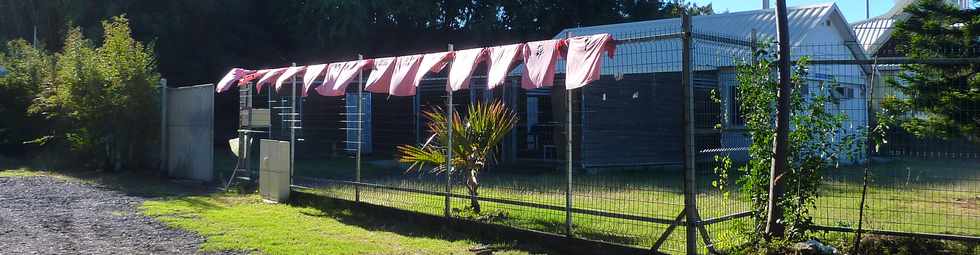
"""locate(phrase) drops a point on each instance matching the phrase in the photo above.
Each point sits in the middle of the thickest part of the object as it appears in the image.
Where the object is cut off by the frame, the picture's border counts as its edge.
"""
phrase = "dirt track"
(43, 215)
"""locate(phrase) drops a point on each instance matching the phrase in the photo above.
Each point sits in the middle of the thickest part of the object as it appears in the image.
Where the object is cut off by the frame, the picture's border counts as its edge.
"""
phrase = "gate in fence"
(188, 132)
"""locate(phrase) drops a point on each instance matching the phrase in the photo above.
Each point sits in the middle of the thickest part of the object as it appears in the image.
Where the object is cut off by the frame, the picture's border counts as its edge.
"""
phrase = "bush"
(28, 67)
(102, 101)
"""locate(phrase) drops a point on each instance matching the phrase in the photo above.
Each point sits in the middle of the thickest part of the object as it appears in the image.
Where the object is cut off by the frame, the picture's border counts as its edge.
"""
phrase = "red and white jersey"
(268, 77)
(229, 79)
(584, 63)
(289, 73)
(380, 78)
(501, 59)
(403, 75)
(463, 65)
(432, 63)
(312, 73)
(540, 58)
(339, 75)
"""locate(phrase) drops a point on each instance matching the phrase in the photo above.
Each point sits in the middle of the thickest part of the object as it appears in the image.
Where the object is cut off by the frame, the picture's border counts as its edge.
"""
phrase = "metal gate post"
(449, 149)
(360, 135)
(568, 156)
(163, 127)
(690, 199)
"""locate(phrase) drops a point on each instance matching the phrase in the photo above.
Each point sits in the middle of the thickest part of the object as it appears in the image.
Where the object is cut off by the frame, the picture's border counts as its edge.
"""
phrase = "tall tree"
(943, 99)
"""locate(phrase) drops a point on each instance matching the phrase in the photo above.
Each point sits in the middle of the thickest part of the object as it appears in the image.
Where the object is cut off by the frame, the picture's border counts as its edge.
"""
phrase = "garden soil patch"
(44, 215)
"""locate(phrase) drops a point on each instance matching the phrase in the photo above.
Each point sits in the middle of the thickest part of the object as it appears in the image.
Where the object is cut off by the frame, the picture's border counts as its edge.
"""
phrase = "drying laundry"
(463, 65)
(268, 77)
(432, 62)
(339, 76)
(312, 73)
(584, 63)
(539, 63)
(252, 76)
(380, 78)
(229, 79)
(403, 75)
(289, 73)
(501, 60)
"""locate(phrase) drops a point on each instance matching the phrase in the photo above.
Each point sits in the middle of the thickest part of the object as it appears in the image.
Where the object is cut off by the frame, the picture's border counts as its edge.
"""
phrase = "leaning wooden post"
(690, 198)
(449, 148)
(774, 222)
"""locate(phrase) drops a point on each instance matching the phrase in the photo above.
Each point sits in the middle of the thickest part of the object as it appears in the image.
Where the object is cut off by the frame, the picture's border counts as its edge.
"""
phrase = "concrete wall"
(190, 131)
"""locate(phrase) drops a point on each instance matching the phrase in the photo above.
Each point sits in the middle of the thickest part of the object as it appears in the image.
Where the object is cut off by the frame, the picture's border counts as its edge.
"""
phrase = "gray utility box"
(255, 118)
(274, 172)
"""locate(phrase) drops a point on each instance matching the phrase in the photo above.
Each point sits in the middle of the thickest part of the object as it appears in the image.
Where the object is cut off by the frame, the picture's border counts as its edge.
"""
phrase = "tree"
(475, 141)
(102, 100)
(818, 140)
(28, 67)
(940, 100)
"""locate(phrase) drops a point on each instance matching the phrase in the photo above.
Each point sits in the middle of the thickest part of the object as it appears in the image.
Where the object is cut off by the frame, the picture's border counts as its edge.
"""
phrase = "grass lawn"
(905, 195)
(244, 222)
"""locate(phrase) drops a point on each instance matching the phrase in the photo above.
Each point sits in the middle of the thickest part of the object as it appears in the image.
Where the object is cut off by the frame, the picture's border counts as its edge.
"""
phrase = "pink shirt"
(269, 76)
(312, 73)
(339, 76)
(432, 62)
(289, 73)
(539, 63)
(501, 60)
(585, 59)
(229, 79)
(380, 78)
(403, 75)
(463, 65)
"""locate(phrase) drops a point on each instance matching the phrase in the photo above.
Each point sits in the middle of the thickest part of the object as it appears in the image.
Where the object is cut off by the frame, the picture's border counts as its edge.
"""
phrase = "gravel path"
(43, 215)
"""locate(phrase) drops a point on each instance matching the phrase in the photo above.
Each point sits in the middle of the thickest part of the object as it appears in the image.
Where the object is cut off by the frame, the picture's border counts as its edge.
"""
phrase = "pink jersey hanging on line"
(501, 60)
(403, 76)
(289, 73)
(340, 75)
(229, 78)
(380, 78)
(268, 77)
(432, 62)
(584, 63)
(312, 73)
(540, 58)
(463, 65)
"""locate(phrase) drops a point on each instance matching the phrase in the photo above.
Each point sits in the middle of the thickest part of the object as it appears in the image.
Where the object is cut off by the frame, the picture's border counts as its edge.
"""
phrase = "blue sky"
(854, 10)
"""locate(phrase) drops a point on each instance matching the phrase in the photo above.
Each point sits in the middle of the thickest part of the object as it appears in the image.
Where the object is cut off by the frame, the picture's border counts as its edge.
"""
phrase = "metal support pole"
(292, 130)
(449, 148)
(774, 223)
(568, 156)
(360, 135)
(690, 199)
(163, 127)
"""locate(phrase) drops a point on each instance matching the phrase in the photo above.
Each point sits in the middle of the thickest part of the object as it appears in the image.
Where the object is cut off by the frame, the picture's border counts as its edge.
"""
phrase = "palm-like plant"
(475, 140)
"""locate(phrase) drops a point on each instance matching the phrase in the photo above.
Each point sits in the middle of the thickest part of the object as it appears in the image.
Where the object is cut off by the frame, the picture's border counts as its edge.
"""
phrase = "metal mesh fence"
(626, 184)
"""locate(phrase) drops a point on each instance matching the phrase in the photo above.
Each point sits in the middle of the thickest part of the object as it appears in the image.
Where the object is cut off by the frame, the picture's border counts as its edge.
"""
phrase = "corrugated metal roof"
(664, 55)
(735, 24)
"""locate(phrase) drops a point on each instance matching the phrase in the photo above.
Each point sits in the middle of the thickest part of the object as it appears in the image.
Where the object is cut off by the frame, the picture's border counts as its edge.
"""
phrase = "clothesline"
(401, 75)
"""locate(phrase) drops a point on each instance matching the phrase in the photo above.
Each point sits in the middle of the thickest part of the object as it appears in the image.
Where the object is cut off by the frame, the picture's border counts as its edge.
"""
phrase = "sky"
(854, 10)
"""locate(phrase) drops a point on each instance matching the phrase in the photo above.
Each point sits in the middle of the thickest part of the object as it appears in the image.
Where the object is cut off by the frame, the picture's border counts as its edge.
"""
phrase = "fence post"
(163, 127)
(568, 156)
(292, 130)
(449, 149)
(360, 134)
(690, 200)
